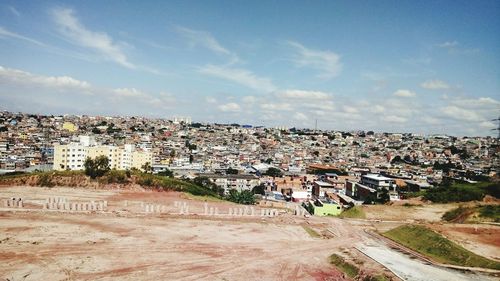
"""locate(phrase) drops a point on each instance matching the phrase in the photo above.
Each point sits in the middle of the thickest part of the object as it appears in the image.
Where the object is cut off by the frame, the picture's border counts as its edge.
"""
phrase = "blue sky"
(398, 66)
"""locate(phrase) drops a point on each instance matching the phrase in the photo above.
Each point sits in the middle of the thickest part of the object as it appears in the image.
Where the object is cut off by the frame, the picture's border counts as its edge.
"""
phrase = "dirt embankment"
(74, 180)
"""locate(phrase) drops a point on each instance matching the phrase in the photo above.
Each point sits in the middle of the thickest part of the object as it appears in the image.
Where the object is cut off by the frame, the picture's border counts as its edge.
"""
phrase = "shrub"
(45, 180)
(96, 167)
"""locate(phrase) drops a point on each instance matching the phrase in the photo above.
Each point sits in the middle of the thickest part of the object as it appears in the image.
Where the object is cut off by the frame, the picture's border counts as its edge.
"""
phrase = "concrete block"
(216, 211)
(106, 204)
(211, 211)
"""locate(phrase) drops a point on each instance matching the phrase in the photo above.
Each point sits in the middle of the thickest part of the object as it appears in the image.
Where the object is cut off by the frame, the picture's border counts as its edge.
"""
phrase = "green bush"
(115, 176)
(348, 268)
(490, 211)
(462, 192)
(45, 180)
(457, 213)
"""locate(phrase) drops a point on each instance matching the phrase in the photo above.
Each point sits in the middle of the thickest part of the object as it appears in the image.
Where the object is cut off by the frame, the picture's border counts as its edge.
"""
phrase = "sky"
(427, 67)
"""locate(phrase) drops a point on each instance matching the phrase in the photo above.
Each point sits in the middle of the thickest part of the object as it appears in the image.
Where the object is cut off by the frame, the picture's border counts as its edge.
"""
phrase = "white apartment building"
(72, 156)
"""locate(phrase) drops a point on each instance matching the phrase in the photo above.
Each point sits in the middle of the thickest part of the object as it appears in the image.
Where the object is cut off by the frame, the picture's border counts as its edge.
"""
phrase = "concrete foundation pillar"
(216, 211)
(252, 211)
(205, 206)
(211, 211)
(106, 204)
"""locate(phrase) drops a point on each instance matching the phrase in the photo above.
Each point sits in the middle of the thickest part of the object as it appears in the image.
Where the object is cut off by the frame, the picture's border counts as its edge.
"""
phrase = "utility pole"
(498, 128)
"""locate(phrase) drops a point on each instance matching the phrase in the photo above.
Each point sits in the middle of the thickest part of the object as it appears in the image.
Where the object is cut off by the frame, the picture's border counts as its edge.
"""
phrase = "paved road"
(411, 269)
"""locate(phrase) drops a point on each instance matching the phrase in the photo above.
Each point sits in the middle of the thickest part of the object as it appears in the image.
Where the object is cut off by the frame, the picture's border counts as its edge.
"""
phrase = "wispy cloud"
(8, 75)
(404, 93)
(14, 11)
(230, 107)
(238, 75)
(435, 85)
(206, 40)
(100, 42)
(455, 47)
(303, 94)
(448, 44)
(326, 62)
(6, 33)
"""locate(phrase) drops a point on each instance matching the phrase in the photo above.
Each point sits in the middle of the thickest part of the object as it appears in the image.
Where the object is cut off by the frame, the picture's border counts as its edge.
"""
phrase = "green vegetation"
(311, 232)
(490, 212)
(377, 278)
(116, 176)
(355, 212)
(273, 172)
(435, 246)
(348, 268)
(462, 192)
(97, 167)
(45, 180)
(459, 214)
(241, 197)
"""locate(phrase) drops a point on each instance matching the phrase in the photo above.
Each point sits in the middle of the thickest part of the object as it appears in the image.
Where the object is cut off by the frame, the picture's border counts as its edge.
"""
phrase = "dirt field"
(425, 212)
(124, 242)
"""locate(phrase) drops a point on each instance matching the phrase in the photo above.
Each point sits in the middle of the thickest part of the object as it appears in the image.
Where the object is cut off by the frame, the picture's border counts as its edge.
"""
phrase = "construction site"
(113, 234)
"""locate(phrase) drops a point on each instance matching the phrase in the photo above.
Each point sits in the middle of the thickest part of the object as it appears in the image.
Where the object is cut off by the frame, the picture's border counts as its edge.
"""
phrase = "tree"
(147, 167)
(205, 182)
(273, 172)
(166, 173)
(96, 167)
(241, 197)
(231, 171)
(384, 196)
(259, 189)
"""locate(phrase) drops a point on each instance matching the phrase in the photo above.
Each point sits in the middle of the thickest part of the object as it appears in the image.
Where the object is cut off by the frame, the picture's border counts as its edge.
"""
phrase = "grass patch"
(355, 212)
(459, 214)
(349, 269)
(435, 246)
(377, 278)
(490, 212)
(311, 232)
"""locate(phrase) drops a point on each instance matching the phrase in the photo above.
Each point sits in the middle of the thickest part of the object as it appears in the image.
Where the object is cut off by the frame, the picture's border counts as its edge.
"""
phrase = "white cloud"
(240, 76)
(210, 100)
(483, 103)
(22, 77)
(327, 62)
(301, 94)
(249, 99)
(404, 93)
(230, 107)
(435, 85)
(276, 106)
(394, 119)
(349, 109)
(206, 40)
(6, 33)
(129, 92)
(378, 109)
(300, 116)
(461, 113)
(100, 42)
(448, 44)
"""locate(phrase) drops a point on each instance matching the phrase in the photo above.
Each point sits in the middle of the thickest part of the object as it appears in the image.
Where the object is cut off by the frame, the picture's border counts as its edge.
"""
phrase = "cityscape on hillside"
(29, 142)
(324, 140)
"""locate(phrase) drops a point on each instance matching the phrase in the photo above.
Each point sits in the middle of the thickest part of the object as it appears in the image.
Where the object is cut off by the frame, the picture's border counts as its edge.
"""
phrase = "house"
(324, 207)
(320, 188)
